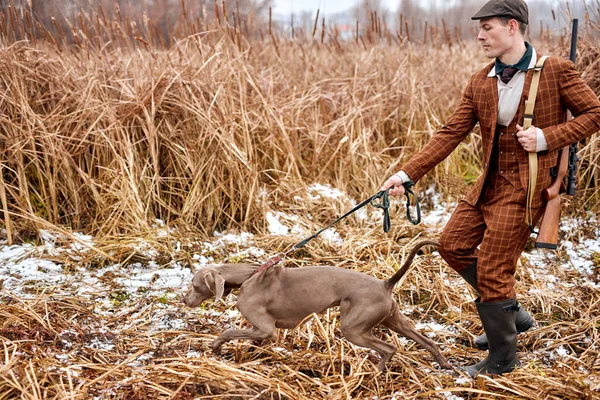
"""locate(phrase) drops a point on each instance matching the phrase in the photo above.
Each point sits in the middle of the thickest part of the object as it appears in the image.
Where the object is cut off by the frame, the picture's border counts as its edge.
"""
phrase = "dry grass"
(194, 135)
(112, 133)
(60, 342)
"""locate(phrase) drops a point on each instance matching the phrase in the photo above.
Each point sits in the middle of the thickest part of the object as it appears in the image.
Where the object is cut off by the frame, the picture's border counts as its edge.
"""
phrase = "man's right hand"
(396, 182)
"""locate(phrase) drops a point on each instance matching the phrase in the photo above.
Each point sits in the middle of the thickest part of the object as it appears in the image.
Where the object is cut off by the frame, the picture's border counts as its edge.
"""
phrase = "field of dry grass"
(151, 150)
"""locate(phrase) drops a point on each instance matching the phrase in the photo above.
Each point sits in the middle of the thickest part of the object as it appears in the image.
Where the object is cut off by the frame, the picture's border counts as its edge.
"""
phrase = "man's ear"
(514, 26)
(215, 283)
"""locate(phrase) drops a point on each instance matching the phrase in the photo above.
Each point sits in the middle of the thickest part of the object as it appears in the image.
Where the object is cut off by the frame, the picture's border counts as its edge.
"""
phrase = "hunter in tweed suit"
(487, 232)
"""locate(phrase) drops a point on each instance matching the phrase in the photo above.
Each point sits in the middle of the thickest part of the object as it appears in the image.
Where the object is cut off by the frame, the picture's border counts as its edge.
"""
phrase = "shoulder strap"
(533, 89)
(527, 122)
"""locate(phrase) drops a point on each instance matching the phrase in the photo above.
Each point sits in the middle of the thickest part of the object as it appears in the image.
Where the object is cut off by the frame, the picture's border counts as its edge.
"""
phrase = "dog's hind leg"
(399, 324)
(357, 326)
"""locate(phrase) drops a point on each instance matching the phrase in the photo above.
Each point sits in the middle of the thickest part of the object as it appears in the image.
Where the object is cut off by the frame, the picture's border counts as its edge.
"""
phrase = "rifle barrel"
(573, 53)
(572, 175)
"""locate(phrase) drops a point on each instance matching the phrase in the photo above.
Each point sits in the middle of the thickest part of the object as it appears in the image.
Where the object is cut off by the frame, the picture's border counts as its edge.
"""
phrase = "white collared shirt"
(509, 98)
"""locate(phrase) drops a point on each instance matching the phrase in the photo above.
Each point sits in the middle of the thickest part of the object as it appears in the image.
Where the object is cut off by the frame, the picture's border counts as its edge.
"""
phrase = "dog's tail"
(389, 284)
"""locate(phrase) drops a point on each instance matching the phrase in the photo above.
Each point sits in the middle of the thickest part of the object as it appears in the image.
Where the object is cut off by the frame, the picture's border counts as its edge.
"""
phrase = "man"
(487, 232)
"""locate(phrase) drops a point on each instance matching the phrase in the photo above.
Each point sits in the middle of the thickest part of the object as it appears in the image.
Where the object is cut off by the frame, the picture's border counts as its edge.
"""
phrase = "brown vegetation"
(110, 126)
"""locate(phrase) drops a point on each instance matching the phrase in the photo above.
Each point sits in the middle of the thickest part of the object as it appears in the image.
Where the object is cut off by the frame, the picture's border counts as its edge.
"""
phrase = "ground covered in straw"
(85, 317)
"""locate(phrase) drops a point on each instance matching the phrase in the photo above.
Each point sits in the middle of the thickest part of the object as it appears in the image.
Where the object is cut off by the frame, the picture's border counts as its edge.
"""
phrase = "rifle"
(567, 164)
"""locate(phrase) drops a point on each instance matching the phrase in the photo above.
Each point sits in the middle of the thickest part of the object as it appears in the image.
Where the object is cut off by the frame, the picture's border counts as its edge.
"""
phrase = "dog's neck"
(235, 275)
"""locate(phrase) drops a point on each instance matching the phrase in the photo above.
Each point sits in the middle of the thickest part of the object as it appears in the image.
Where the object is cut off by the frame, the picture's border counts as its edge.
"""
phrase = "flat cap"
(516, 9)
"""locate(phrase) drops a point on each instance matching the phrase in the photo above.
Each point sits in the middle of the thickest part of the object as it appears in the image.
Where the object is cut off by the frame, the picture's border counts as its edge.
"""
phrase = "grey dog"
(283, 297)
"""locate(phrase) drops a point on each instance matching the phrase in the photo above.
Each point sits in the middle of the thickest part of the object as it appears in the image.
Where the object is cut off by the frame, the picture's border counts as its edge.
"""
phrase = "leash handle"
(408, 192)
(385, 204)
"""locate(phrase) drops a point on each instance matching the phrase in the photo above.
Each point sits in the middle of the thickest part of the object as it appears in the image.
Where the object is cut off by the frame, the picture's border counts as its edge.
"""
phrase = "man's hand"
(396, 182)
(528, 138)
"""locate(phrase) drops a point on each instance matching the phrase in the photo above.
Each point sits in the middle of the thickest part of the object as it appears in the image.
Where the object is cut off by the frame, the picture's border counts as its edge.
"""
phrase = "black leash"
(384, 204)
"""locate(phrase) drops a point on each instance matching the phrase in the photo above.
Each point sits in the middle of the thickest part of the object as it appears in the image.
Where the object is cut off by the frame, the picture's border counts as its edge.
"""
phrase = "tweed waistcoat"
(504, 155)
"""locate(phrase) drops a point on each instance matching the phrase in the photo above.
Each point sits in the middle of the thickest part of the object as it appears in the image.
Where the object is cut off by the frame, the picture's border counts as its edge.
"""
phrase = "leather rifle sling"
(527, 122)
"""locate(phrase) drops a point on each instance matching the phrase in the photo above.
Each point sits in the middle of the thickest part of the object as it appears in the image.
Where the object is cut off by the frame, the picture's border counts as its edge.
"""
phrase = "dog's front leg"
(234, 334)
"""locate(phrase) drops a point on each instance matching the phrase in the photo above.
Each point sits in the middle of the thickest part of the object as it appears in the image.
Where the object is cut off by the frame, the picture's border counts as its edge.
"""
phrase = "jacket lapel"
(491, 86)
(488, 127)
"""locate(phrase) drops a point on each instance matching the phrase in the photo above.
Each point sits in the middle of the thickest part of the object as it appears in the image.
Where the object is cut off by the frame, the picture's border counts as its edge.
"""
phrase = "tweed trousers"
(493, 232)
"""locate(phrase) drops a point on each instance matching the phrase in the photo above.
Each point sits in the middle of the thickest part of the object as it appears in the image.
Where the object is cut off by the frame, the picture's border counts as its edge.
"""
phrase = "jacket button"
(513, 153)
(501, 171)
(502, 134)
(501, 152)
(512, 172)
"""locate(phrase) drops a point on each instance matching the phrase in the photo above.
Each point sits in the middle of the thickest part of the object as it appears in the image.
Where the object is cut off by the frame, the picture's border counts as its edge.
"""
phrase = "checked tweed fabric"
(489, 223)
(496, 226)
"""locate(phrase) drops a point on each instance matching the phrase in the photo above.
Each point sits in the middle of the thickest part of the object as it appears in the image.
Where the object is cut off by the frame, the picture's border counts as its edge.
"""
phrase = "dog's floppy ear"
(215, 283)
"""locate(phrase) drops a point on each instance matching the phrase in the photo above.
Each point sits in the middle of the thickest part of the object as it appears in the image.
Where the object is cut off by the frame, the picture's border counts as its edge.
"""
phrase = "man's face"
(495, 37)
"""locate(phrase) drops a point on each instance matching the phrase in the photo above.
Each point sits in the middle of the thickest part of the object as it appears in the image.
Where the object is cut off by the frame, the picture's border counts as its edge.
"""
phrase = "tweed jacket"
(561, 87)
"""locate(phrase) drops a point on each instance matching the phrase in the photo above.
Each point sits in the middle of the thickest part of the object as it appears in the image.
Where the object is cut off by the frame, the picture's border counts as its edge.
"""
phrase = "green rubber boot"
(498, 319)
(523, 320)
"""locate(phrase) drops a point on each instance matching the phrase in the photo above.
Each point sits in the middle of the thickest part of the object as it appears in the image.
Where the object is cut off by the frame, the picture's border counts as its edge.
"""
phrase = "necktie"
(507, 74)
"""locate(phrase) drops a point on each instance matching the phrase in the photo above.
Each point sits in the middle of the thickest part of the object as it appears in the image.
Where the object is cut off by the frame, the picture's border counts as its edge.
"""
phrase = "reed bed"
(106, 137)
(195, 133)
(143, 143)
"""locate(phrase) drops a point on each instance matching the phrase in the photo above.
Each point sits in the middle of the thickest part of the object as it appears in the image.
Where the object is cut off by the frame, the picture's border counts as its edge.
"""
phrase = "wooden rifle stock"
(548, 234)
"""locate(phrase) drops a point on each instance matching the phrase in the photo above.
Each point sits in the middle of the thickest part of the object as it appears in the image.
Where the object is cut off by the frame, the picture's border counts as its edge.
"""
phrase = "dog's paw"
(446, 365)
(216, 347)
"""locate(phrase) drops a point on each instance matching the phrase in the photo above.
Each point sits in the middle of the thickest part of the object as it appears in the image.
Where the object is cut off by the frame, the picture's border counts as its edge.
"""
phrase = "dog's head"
(206, 283)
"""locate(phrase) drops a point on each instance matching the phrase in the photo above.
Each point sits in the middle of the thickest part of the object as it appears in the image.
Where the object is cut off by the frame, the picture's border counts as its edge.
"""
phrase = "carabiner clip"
(385, 206)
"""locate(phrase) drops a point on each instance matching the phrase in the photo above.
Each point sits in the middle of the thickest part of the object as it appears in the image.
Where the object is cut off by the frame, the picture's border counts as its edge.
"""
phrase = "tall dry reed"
(112, 131)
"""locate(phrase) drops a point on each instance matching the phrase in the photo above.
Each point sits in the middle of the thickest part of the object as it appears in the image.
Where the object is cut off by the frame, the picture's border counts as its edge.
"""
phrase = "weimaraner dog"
(283, 297)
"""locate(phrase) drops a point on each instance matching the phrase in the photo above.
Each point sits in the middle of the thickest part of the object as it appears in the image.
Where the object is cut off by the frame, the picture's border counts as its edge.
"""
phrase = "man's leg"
(504, 240)
(503, 209)
(458, 246)
(523, 320)
(461, 236)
